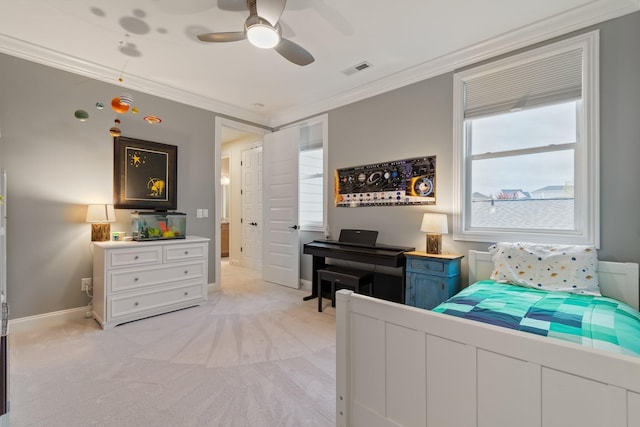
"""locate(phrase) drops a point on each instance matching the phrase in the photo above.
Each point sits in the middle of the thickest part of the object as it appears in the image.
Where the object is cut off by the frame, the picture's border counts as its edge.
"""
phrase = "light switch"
(198, 213)
(205, 213)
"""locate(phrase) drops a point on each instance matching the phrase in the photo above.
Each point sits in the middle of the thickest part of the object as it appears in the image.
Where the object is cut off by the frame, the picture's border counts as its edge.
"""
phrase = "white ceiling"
(153, 45)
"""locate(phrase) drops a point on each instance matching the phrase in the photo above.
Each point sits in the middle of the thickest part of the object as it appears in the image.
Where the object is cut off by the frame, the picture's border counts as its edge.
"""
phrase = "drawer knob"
(186, 272)
(136, 257)
(136, 303)
(186, 293)
(135, 279)
(186, 252)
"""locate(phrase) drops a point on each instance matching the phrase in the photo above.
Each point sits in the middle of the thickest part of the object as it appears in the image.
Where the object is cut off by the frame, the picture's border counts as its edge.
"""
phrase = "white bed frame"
(402, 366)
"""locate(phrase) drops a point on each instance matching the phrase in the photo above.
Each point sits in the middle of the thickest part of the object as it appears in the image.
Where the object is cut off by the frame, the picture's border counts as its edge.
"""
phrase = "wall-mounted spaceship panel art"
(399, 182)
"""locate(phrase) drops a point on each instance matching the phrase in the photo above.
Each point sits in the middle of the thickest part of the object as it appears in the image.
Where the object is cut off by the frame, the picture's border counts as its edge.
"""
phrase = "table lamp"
(100, 216)
(435, 225)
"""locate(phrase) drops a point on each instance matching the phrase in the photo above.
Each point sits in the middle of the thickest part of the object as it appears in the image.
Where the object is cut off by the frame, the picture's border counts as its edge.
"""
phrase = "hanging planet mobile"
(152, 119)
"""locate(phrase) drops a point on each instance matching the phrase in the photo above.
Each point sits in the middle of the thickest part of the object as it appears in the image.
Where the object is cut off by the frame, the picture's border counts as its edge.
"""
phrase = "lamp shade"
(100, 214)
(434, 223)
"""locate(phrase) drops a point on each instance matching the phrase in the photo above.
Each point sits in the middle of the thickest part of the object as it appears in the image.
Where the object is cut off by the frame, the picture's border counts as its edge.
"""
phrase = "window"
(311, 188)
(526, 146)
(311, 167)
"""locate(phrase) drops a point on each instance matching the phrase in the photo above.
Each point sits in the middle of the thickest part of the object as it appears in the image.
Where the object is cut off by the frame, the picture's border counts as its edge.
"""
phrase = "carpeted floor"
(255, 355)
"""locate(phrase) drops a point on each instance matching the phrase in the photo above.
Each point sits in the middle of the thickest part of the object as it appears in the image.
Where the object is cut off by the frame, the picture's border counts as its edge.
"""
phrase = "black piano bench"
(344, 277)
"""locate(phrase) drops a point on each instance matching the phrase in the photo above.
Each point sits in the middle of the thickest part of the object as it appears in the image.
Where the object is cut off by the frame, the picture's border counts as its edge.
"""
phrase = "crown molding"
(51, 58)
(558, 25)
(593, 13)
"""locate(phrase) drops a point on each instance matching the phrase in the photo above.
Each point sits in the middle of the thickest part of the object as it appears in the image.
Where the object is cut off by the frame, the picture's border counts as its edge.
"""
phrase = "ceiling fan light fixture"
(261, 34)
(264, 32)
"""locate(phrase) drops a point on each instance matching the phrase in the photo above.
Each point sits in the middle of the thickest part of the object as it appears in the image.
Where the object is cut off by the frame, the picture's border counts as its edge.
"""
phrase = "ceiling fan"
(262, 30)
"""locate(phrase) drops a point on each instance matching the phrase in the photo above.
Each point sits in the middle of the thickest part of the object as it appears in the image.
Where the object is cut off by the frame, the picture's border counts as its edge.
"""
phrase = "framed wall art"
(144, 174)
(399, 182)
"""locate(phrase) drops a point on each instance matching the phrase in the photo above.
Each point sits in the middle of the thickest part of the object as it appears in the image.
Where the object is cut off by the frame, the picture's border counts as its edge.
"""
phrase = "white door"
(281, 248)
(252, 208)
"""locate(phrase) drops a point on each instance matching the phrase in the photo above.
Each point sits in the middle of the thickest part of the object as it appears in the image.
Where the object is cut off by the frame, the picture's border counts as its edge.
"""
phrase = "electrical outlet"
(85, 284)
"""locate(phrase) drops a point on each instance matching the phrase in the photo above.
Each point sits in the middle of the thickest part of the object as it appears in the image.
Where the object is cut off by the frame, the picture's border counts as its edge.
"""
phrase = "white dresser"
(133, 280)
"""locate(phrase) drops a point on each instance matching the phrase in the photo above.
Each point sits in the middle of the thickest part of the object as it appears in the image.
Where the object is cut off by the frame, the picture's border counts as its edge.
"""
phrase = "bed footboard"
(401, 366)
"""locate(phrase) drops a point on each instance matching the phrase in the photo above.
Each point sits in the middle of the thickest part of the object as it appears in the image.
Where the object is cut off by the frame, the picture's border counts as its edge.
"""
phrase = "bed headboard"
(618, 280)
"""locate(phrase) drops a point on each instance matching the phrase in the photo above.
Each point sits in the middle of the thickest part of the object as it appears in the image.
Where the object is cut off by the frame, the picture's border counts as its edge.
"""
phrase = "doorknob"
(295, 227)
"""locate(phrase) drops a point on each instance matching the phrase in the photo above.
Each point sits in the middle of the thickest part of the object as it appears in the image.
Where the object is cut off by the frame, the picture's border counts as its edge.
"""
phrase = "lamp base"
(434, 243)
(100, 232)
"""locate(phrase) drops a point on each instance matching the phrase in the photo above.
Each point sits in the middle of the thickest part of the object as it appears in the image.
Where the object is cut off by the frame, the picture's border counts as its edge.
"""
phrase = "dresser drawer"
(133, 256)
(433, 266)
(129, 279)
(127, 304)
(184, 252)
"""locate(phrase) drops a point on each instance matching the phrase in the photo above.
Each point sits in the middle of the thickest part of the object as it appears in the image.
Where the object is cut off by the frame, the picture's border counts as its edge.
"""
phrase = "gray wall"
(417, 120)
(56, 164)
(620, 139)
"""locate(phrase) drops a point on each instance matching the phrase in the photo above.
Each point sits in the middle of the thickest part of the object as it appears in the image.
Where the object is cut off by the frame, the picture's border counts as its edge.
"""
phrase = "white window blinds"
(311, 177)
(542, 81)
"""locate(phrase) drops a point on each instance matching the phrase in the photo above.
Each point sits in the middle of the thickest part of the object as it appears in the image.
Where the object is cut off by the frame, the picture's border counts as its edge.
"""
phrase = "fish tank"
(158, 225)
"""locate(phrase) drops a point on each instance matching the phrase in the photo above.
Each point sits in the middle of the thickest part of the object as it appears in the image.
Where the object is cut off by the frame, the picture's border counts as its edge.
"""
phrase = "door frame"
(221, 122)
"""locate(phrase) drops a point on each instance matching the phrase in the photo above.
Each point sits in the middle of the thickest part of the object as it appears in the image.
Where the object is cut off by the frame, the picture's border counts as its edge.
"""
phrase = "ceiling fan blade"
(222, 37)
(294, 52)
(271, 10)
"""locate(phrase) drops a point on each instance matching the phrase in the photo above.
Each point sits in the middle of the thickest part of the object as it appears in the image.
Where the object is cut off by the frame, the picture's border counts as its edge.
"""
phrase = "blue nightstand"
(431, 278)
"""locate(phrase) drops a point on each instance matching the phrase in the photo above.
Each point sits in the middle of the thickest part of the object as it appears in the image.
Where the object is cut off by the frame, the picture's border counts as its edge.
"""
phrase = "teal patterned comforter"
(592, 321)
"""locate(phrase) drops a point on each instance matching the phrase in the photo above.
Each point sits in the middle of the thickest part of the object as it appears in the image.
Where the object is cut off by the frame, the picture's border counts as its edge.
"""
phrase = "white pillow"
(567, 268)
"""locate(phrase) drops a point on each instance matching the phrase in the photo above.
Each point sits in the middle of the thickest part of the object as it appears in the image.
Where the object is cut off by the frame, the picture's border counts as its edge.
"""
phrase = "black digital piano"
(376, 254)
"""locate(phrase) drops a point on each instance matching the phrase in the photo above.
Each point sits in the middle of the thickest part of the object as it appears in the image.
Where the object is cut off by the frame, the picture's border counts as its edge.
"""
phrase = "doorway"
(279, 233)
(225, 219)
(231, 139)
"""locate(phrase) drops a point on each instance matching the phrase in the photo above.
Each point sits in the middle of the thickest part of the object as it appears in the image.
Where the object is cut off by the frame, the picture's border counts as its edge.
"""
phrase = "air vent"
(357, 68)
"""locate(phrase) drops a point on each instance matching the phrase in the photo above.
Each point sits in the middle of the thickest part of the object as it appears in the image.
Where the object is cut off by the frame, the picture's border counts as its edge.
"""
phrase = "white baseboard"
(41, 321)
(306, 285)
(57, 318)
